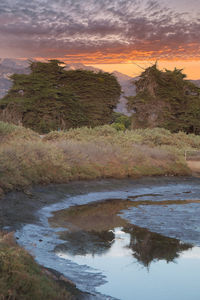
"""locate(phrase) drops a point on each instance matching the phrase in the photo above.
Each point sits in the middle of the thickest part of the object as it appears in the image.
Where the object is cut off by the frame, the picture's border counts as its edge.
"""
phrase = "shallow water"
(118, 239)
(129, 278)
(137, 263)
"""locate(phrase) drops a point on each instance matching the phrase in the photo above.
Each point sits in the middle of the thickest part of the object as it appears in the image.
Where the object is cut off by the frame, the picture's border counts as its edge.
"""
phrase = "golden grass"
(9, 132)
(194, 165)
(152, 137)
(85, 153)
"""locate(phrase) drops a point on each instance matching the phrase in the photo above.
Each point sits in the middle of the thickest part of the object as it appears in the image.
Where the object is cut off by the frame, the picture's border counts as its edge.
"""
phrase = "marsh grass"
(85, 153)
(21, 278)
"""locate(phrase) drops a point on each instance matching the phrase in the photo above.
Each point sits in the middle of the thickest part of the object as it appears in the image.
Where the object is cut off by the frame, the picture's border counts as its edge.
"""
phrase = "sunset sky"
(111, 34)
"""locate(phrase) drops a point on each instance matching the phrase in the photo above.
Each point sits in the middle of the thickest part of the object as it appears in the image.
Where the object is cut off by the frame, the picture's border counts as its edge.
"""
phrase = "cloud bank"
(97, 31)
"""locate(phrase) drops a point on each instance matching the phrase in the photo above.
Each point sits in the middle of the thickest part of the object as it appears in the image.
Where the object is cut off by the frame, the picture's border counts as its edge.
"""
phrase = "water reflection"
(95, 228)
(144, 245)
(149, 246)
(129, 256)
(85, 242)
(121, 260)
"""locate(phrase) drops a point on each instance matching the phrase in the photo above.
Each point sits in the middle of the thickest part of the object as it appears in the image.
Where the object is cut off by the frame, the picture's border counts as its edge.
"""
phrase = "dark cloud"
(97, 29)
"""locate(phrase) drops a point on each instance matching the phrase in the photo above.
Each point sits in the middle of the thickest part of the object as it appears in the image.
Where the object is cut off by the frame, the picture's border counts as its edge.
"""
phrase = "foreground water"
(128, 240)
(130, 278)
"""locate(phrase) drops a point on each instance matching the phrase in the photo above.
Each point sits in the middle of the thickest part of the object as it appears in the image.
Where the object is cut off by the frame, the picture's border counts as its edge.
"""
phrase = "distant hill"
(196, 82)
(7, 68)
(79, 66)
(128, 89)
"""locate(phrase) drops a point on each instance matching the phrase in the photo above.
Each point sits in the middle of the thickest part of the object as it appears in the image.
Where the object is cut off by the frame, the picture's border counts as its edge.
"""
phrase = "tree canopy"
(166, 99)
(52, 98)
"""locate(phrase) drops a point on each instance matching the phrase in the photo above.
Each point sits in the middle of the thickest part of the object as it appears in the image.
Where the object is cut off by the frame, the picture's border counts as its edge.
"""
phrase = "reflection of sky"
(191, 253)
(118, 249)
(128, 280)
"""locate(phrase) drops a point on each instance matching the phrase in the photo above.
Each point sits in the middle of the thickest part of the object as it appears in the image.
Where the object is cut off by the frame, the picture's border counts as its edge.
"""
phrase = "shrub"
(89, 153)
(9, 132)
(119, 118)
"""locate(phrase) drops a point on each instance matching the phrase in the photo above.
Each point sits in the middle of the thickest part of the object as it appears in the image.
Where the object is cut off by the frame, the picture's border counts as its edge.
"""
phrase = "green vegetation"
(21, 278)
(121, 122)
(51, 98)
(166, 99)
(89, 153)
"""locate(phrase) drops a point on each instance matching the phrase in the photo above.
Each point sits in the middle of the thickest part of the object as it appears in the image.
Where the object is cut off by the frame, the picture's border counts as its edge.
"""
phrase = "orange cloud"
(106, 31)
(127, 57)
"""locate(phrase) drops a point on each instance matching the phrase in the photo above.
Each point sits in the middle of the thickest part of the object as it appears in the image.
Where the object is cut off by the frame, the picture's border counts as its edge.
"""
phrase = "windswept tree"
(52, 98)
(166, 99)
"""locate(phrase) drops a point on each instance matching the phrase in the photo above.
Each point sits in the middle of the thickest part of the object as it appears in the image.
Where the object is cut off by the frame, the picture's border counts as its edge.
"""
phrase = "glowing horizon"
(190, 67)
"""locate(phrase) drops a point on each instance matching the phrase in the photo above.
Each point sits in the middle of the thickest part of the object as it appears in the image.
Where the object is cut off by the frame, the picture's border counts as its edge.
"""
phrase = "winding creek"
(115, 239)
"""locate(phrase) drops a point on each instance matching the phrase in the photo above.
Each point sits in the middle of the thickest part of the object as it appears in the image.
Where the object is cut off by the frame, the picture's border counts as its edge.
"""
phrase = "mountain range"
(10, 66)
(7, 68)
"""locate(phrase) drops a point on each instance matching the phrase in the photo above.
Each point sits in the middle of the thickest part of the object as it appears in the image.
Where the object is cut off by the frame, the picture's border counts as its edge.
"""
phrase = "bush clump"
(8, 132)
(91, 153)
(121, 122)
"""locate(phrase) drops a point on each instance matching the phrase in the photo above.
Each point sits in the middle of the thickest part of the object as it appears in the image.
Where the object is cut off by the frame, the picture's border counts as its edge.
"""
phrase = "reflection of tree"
(149, 246)
(85, 242)
(91, 232)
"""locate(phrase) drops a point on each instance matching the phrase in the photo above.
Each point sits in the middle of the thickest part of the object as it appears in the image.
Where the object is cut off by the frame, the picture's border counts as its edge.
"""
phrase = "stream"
(115, 239)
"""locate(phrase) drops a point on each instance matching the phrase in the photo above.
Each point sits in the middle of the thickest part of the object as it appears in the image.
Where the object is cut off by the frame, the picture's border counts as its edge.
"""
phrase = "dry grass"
(10, 132)
(86, 153)
(152, 137)
(194, 165)
(21, 278)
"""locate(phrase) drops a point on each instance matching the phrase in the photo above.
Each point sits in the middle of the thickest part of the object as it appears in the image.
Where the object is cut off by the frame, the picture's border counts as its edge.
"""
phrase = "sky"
(111, 34)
